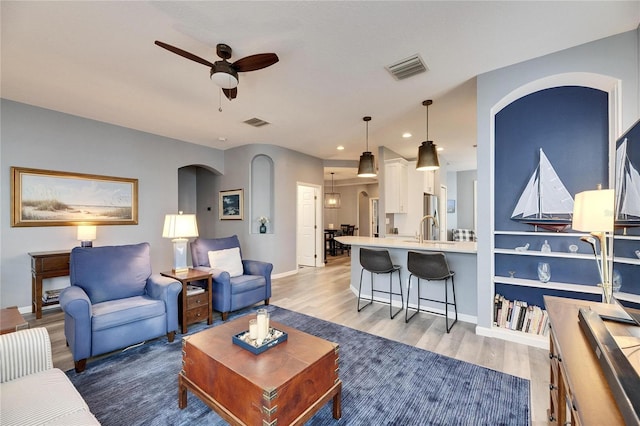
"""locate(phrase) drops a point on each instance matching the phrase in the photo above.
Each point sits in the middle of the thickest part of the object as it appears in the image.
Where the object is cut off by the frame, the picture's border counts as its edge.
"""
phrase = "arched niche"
(262, 193)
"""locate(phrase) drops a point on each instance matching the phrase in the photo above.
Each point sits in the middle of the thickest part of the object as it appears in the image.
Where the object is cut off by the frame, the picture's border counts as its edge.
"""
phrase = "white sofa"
(32, 392)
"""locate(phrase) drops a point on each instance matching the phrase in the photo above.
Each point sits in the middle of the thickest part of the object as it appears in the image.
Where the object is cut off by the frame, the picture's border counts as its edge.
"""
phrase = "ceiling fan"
(225, 73)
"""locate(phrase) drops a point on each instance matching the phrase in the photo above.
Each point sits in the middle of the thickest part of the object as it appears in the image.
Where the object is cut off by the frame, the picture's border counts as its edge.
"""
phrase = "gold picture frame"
(53, 198)
(231, 204)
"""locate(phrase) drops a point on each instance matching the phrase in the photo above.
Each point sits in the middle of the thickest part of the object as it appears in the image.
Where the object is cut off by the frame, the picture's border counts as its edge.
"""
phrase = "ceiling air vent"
(256, 122)
(407, 67)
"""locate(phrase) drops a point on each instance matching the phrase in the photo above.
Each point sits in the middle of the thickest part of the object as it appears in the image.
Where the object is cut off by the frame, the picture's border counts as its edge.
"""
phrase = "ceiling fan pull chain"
(220, 99)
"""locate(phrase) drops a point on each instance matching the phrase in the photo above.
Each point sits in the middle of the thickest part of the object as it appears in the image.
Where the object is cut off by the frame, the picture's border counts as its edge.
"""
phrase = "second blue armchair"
(231, 293)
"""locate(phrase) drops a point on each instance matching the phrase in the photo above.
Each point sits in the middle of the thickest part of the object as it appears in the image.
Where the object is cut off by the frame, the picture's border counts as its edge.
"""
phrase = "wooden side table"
(193, 308)
(11, 320)
(46, 264)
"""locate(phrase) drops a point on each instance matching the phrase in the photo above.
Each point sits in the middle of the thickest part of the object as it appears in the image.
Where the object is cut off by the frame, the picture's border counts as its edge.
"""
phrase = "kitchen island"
(461, 257)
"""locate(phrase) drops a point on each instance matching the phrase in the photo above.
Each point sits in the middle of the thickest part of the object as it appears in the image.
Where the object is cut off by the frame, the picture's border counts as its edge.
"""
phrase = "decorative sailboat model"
(627, 190)
(545, 202)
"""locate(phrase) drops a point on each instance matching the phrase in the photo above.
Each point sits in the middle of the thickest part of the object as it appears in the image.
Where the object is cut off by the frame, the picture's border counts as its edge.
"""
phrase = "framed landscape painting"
(231, 205)
(52, 198)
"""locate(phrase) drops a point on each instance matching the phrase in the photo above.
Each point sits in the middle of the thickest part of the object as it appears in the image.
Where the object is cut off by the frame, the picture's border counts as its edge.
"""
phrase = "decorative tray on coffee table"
(274, 338)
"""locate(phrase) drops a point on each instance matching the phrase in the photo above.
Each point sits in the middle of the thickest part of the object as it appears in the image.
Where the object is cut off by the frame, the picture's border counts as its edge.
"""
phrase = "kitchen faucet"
(421, 228)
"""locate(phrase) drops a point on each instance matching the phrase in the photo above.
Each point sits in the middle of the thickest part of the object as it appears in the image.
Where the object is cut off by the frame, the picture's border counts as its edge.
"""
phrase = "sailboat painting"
(627, 190)
(545, 202)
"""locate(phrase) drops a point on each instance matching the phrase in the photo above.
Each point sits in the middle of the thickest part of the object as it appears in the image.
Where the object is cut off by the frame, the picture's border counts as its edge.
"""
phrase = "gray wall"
(44, 139)
(464, 194)
(291, 168)
(615, 56)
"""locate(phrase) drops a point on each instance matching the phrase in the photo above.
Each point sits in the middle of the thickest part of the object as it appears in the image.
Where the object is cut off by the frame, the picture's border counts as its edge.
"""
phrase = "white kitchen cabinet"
(396, 182)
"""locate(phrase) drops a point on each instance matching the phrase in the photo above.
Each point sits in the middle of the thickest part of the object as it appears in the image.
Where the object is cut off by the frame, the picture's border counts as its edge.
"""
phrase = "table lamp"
(180, 227)
(593, 212)
(86, 235)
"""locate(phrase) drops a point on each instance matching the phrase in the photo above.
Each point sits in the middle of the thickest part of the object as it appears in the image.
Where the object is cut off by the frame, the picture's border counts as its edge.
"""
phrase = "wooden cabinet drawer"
(197, 314)
(197, 300)
(50, 263)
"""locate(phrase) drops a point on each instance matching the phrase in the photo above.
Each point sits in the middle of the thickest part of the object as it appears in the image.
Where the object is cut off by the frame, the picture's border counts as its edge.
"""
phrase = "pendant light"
(367, 165)
(427, 154)
(331, 199)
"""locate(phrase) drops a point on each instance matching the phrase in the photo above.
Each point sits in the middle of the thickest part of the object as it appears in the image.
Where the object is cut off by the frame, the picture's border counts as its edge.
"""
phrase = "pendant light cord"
(427, 122)
(367, 120)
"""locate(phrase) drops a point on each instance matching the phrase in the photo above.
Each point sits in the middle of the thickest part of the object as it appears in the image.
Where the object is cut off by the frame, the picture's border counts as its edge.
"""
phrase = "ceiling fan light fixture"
(427, 153)
(367, 164)
(225, 80)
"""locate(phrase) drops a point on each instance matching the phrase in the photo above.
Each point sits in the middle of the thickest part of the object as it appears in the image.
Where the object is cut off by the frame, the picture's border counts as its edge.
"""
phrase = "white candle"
(253, 329)
(262, 324)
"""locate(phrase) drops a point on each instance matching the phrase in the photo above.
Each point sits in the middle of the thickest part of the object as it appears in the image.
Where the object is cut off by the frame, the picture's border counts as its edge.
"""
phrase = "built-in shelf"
(555, 285)
(544, 254)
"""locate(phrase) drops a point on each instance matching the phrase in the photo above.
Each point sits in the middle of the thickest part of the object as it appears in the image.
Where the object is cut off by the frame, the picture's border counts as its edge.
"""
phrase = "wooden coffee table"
(285, 385)
(11, 320)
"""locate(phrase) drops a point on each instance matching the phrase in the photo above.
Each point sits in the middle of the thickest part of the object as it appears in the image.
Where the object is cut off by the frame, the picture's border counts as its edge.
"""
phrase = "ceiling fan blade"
(255, 62)
(184, 53)
(231, 93)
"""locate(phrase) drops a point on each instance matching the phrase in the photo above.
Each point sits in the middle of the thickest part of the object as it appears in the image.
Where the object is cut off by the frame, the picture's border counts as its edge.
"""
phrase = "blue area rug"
(383, 383)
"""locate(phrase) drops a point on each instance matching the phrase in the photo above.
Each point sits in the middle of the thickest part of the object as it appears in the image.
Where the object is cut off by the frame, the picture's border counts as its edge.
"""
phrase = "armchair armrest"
(76, 305)
(167, 290)
(24, 352)
(256, 267)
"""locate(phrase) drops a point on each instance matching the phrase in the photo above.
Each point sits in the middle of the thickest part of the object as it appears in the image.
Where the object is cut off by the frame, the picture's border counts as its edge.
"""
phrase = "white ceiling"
(98, 60)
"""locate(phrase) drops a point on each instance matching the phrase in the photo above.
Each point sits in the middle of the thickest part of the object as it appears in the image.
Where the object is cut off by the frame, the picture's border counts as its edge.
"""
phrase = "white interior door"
(308, 239)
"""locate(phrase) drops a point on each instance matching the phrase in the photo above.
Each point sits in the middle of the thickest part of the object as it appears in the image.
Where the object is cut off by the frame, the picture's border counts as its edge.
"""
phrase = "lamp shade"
(593, 211)
(86, 233)
(331, 200)
(427, 157)
(367, 165)
(180, 226)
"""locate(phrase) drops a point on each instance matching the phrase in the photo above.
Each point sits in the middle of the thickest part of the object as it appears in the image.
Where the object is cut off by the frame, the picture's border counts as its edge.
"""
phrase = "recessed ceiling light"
(439, 148)
(406, 135)
(340, 148)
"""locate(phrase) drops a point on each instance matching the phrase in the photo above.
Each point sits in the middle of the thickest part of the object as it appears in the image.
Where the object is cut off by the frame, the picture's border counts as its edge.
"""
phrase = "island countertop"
(461, 257)
(411, 244)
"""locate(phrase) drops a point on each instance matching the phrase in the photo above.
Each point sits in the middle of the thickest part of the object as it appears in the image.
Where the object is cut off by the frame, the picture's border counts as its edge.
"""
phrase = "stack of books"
(51, 295)
(518, 315)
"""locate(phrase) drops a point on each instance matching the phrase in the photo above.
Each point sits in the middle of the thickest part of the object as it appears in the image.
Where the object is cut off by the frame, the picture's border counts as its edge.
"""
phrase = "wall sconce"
(593, 212)
(367, 165)
(86, 234)
(427, 154)
(331, 199)
(180, 227)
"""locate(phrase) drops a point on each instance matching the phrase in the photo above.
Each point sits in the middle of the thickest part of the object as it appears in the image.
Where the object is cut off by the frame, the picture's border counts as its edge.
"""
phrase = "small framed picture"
(451, 206)
(231, 205)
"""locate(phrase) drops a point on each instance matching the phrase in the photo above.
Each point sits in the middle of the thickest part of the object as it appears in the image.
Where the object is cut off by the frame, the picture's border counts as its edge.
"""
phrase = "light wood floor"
(324, 293)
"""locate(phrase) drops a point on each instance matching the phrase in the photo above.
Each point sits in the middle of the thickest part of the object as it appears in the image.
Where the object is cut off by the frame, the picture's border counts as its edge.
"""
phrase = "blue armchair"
(114, 301)
(233, 293)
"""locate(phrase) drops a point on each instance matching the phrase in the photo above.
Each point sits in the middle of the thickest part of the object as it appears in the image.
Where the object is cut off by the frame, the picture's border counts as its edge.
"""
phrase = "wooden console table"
(579, 391)
(46, 264)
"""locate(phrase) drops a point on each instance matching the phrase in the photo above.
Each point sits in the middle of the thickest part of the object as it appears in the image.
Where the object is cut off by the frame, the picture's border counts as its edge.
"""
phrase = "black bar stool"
(379, 262)
(431, 267)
